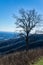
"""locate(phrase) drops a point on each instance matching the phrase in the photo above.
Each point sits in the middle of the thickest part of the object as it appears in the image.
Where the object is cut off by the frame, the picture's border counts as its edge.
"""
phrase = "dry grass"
(22, 58)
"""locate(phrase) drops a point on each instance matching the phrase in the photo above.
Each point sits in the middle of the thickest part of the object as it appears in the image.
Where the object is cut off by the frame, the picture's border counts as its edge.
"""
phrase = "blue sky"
(10, 7)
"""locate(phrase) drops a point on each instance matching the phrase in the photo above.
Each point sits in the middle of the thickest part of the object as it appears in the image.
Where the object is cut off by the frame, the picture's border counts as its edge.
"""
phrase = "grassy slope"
(22, 58)
(40, 62)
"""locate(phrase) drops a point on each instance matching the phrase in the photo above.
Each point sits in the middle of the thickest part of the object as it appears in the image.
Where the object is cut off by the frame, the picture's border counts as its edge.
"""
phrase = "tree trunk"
(27, 42)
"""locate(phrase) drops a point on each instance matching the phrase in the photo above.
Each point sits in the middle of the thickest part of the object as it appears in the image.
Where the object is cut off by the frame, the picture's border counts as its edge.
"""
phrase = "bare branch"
(27, 20)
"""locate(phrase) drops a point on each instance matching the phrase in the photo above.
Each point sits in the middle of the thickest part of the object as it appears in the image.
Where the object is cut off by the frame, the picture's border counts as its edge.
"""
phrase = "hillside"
(22, 58)
(19, 44)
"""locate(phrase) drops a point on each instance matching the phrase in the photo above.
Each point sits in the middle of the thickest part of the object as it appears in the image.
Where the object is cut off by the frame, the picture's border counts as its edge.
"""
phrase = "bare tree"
(27, 20)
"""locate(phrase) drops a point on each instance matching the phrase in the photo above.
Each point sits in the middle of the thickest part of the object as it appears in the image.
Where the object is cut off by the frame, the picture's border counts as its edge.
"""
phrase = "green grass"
(40, 62)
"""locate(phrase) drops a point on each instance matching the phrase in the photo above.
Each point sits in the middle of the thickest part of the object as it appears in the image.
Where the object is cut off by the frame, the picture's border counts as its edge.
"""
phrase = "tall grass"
(22, 58)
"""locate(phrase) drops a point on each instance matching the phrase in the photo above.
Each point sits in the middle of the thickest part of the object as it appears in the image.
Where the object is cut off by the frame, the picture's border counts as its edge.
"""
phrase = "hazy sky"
(9, 7)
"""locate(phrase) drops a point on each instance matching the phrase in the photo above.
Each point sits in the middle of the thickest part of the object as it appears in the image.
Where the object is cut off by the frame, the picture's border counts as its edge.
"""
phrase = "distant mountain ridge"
(19, 44)
(7, 35)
